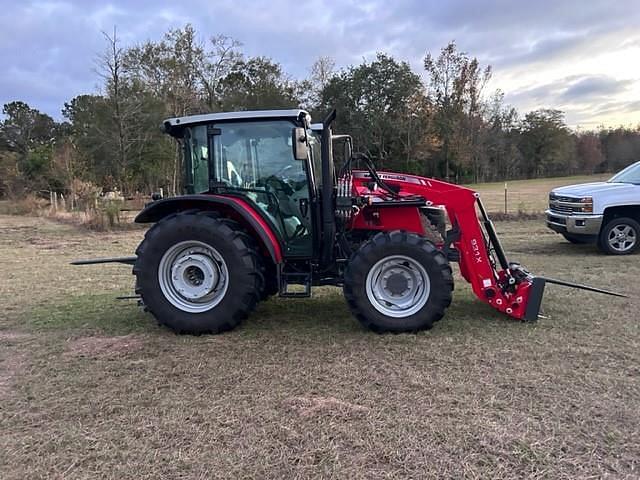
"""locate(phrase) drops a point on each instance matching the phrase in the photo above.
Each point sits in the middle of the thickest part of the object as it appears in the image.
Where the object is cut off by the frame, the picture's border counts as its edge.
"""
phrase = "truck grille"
(565, 205)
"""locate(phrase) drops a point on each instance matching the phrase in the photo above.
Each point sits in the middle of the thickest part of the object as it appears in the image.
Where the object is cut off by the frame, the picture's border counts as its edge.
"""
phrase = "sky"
(582, 57)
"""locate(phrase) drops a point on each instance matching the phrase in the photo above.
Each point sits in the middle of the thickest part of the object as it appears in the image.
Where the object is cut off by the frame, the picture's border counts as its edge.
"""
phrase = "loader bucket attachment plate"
(535, 299)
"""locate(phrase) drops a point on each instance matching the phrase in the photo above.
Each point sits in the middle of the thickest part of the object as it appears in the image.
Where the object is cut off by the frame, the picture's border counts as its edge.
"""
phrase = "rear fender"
(231, 207)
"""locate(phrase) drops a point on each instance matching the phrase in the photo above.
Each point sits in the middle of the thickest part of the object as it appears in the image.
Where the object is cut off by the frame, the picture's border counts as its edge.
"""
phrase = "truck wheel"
(619, 236)
(398, 282)
(196, 274)
(577, 239)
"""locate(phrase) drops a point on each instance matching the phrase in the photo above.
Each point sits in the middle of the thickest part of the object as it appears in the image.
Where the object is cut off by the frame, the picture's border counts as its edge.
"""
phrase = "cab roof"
(175, 124)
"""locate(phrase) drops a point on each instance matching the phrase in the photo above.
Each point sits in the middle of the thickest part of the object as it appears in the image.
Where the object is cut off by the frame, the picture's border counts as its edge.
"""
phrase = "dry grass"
(29, 205)
(104, 347)
(97, 220)
(527, 196)
(109, 216)
(94, 389)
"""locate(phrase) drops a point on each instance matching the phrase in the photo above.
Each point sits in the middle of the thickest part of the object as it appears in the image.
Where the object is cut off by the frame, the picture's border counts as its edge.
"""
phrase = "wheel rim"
(398, 286)
(193, 276)
(622, 237)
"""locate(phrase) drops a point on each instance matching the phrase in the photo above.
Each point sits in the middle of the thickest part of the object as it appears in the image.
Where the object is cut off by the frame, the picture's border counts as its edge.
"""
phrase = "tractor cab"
(271, 159)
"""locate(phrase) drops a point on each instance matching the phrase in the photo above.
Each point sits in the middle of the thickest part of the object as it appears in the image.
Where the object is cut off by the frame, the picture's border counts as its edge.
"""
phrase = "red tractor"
(267, 208)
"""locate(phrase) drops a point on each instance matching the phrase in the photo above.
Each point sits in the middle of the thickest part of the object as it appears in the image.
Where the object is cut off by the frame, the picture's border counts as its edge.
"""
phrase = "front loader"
(267, 212)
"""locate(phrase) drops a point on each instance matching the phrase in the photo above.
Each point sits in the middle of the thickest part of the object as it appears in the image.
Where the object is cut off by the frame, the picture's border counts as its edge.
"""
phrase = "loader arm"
(483, 262)
(507, 287)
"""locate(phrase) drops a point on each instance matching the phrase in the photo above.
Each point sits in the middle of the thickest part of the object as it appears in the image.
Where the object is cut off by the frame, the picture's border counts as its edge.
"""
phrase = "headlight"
(587, 203)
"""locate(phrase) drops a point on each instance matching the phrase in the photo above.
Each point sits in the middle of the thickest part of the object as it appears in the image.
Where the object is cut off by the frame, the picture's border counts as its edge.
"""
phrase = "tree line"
(441, 122)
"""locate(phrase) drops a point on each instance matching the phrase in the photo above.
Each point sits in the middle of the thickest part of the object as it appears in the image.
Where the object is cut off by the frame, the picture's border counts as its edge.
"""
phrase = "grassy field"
(530, 196)
(90, 387)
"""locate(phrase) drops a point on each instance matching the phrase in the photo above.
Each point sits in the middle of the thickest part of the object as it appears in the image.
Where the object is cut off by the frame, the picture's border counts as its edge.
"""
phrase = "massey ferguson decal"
(391, 176)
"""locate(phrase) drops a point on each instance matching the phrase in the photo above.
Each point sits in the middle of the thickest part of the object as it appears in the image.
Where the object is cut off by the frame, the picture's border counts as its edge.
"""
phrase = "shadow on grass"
(328, 315)
(94, 313)
(325, 316)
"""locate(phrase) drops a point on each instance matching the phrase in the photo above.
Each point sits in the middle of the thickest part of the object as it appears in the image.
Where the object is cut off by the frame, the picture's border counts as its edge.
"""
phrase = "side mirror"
(348, 151)
(300, 149)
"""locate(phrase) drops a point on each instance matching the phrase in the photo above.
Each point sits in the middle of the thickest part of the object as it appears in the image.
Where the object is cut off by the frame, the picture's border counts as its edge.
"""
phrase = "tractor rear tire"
(197, 274)
(398, 282)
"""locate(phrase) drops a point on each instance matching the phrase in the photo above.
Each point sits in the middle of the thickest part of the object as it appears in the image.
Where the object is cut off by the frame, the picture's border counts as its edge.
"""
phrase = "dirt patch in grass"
(53, 244)
(10, 367)
(12, 360)
(9, 336)
(308, 406)
(104, 347)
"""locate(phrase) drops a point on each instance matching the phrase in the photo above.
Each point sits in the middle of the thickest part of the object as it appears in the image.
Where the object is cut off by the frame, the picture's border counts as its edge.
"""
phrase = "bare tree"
(322, 71)
(123, 106)
(223, 55)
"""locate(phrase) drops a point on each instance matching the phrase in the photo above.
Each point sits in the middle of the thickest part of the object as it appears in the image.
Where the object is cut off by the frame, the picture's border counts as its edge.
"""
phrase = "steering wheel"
(280, 172)
(277, 184)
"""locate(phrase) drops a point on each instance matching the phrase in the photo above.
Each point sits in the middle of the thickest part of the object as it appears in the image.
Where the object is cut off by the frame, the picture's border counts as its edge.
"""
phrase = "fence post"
(505, 198)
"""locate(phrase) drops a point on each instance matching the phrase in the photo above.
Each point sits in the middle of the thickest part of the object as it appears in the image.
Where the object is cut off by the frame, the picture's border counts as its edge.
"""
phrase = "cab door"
(255, 159)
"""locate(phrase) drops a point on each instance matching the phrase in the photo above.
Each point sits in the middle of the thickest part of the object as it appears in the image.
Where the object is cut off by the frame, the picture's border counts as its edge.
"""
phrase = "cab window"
(196, 146)
(257, 159)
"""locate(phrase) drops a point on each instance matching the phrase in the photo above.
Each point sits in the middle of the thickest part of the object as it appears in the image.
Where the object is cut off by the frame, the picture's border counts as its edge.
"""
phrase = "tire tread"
(234, 236)
(362, 260)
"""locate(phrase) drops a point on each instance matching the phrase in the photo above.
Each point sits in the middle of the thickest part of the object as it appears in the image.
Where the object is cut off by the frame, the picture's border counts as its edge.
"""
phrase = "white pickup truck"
(605, 213)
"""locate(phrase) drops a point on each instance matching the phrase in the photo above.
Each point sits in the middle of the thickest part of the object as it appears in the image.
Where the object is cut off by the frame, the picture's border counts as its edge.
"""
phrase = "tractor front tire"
(197, 274)
(398, 282)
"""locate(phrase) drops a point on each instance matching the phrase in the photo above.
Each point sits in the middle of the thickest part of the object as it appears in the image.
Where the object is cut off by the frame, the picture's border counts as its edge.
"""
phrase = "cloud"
(574, 88)
(541, 51)
(587, 99)
(594, 86)
(633, 107)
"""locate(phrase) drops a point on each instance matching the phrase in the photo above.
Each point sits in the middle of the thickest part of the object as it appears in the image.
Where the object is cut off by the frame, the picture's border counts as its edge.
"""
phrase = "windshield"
(631, 174)
(252, 154)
